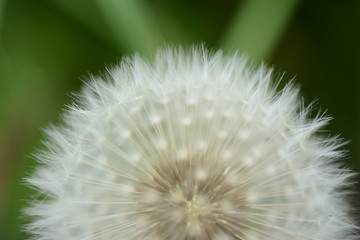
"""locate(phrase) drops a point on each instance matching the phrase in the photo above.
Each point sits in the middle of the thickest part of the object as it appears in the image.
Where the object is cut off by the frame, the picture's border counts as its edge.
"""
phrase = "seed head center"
(196, 207)
(191, 198)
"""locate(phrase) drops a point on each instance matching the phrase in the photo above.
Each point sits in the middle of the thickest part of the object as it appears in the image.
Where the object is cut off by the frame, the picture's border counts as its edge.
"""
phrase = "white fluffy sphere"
(194, 145)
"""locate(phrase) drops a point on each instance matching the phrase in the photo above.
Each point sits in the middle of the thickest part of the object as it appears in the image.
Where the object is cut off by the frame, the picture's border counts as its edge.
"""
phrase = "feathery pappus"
(191, 145)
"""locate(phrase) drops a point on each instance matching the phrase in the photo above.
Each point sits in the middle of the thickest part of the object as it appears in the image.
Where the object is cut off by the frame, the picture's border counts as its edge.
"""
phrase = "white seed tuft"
(192, 146)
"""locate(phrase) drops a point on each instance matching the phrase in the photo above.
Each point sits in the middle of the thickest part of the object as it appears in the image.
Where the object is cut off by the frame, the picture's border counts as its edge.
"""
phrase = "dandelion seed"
(193, 146)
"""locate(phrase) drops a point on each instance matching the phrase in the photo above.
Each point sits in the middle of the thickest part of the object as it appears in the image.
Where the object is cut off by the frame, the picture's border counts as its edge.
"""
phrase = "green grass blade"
(257, 26)
(131, 24)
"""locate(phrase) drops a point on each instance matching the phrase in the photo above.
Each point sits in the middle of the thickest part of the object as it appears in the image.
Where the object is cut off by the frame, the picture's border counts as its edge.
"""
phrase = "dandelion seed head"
(194, 145)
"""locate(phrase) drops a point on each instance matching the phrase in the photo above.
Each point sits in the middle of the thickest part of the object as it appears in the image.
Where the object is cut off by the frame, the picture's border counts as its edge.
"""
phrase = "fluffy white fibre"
(194, 145)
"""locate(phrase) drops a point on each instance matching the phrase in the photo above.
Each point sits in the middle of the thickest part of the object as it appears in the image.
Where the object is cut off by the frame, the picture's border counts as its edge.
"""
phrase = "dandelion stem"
(257, 26)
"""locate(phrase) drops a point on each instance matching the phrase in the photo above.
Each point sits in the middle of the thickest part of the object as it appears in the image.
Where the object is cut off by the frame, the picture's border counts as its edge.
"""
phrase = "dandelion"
(194, 145)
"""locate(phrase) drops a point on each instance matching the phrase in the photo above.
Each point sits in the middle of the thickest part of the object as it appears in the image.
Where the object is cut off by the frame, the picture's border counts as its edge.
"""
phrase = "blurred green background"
(47, 46)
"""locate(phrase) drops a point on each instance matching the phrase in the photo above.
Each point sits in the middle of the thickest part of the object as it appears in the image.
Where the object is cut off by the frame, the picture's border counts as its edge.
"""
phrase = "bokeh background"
(48, 46)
